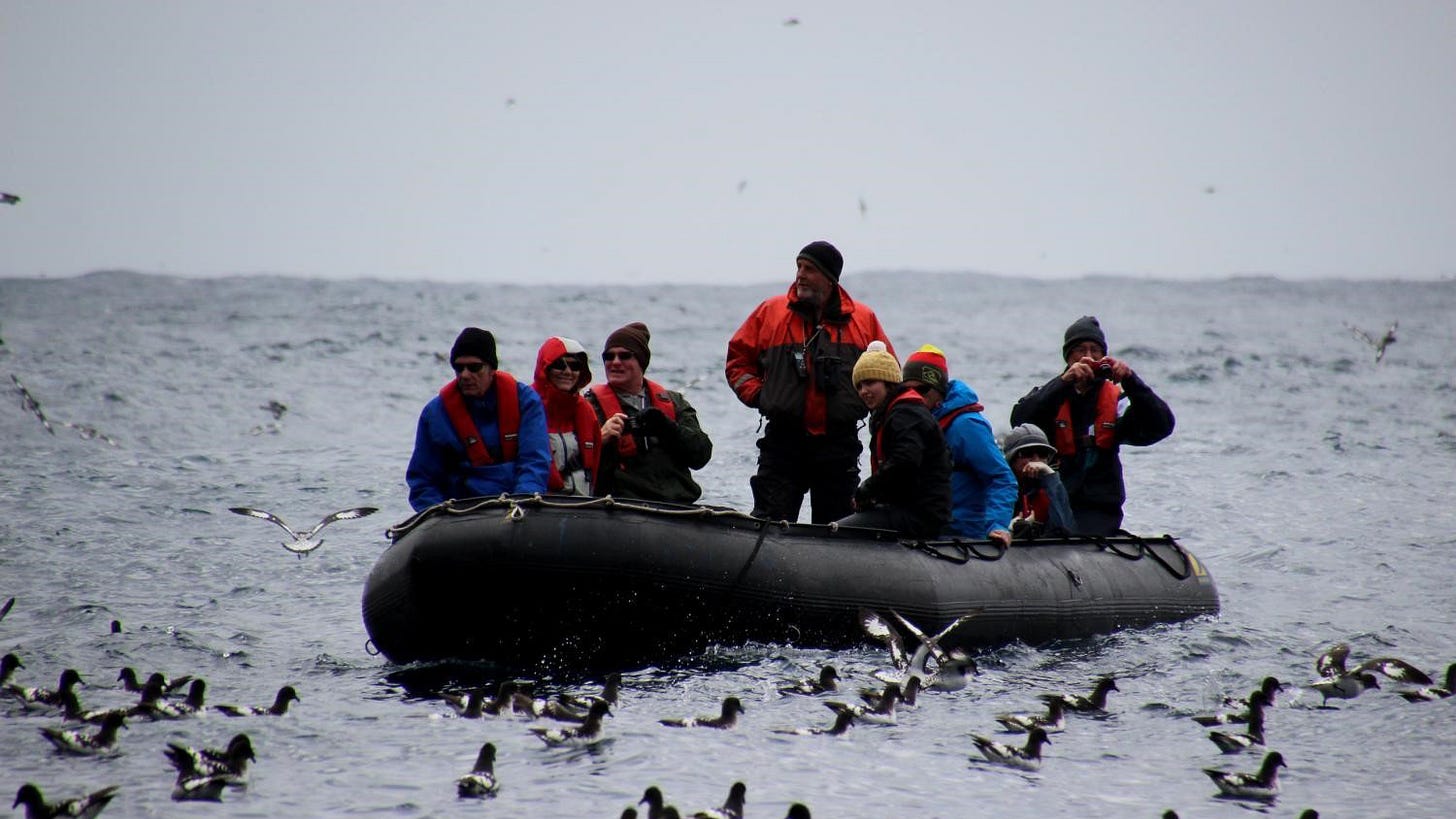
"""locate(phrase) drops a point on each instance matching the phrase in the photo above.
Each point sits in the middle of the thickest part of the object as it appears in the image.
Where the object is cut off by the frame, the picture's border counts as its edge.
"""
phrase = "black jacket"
(911, 465)
(1093, 477)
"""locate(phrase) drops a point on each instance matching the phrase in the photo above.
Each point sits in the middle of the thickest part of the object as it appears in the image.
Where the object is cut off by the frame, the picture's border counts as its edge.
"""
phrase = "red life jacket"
(878, 455)
(588, 432)
(1036, 505)
(508, 409)
(1104, 422)
(945, 420)
(607, 398)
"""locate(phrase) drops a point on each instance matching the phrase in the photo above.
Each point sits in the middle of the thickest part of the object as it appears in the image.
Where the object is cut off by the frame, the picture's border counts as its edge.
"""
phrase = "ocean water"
(1314, 483)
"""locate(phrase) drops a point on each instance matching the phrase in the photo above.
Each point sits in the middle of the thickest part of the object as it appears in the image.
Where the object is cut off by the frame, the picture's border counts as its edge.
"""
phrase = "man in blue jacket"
(484, 434)
(983, 490)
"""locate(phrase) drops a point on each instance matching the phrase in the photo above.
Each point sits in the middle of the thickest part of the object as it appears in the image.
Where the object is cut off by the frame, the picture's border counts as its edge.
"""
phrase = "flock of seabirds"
(579, 719)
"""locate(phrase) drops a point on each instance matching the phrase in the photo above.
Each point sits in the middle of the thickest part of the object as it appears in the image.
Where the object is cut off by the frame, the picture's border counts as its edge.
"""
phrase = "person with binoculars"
(1096, 405)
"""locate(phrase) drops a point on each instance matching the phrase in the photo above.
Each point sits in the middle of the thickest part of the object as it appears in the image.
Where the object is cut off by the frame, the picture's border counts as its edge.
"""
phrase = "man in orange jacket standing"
(791, 360)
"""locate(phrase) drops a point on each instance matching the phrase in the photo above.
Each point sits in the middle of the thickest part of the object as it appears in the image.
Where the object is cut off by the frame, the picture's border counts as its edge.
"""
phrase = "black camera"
(638, 430)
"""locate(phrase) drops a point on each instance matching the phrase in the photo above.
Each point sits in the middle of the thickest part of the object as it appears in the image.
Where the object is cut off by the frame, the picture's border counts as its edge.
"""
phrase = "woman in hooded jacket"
(561, 372)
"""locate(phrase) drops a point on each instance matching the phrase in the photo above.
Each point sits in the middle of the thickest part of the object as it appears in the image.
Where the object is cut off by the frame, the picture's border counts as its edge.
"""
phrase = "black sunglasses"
(562, 364)
(625, 355)
(475, 368)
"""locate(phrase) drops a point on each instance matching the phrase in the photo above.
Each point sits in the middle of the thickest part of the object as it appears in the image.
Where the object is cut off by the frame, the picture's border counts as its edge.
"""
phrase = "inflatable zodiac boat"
(532, 581)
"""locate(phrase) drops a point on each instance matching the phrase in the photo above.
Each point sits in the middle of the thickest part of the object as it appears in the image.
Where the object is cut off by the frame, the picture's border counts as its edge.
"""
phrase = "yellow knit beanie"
(876, 364)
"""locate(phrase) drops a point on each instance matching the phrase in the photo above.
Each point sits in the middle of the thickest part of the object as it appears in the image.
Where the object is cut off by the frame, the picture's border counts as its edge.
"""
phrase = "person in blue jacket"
(983, 490)
(484, 434)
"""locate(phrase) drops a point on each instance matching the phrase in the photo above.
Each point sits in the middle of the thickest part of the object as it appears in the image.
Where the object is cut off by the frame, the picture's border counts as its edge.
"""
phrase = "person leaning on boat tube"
(484, 434)
(982, 488)
(562, 370)
(1042, 508)
(791, 360)
(1096, 405)
(908, 489)
(651, 439)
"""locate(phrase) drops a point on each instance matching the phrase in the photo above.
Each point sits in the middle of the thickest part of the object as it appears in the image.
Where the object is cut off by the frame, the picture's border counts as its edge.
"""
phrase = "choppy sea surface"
(1314, 483)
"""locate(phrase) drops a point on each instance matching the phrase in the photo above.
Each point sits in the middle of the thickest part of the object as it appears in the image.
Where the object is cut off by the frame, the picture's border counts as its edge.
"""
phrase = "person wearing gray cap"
(1042, 508)
(1095, 406)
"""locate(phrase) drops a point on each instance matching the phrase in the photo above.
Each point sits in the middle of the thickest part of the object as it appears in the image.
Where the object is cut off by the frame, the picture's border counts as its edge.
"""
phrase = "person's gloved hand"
(656, 423)
(862, 499)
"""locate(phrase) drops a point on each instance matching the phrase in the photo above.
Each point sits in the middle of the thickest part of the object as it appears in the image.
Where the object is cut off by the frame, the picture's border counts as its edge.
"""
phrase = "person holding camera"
(1042, 508)
(1094, 407)
(651, 439)
(791, 360)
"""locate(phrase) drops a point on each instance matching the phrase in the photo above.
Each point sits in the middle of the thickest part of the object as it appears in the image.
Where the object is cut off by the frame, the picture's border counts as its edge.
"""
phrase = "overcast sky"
(706, 142)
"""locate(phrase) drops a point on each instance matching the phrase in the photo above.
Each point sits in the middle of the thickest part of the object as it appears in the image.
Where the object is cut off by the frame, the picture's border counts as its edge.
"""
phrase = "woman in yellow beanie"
(908, 489)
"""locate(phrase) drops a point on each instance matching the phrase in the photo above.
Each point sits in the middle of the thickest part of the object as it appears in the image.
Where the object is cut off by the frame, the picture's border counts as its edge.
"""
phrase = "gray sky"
(707, 142)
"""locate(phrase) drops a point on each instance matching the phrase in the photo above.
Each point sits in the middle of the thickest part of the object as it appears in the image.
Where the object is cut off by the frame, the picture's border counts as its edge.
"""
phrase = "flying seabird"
(481, 781)
(29, 404)
(1380, 345)
(303, 542)
(1431, 692)
(276, 407)
(9, 199)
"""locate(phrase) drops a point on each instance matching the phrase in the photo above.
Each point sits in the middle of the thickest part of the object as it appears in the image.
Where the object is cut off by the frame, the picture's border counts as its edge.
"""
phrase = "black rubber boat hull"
(581, 583)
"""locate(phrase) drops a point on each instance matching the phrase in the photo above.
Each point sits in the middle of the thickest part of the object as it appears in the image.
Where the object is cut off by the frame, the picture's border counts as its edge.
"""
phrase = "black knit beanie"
(477, 342)
(1085, 328)
(634, 337)
(824, 256)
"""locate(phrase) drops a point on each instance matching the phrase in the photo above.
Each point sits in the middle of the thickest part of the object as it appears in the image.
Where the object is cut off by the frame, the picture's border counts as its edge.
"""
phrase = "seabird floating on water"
(1232, 743)
(1263, 785)
(82, 807)
(1026, 758)
(1431, 692)
(285, 695)
(229, 764)
(826, 681)
(481, 781)
(732, 807)
(1054, 720)
(727, 718)
(79, 743)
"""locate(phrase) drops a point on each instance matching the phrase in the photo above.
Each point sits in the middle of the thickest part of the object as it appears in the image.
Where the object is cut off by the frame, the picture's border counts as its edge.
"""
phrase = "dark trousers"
(793, 463)
(1097, 520)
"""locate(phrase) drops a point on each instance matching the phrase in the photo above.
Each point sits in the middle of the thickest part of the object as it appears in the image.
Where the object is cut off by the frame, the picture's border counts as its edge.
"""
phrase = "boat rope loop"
(1142, 547)
(965, 549)
(515, 505)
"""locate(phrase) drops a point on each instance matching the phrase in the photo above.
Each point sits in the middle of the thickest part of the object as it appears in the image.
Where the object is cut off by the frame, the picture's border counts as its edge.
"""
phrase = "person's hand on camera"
(612, 429)
(1116, 369)
(656, 423)
(1035, 469)
(1082, 371)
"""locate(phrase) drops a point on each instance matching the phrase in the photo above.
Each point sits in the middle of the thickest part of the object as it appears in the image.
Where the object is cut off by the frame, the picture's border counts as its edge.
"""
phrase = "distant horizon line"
(869, 273)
